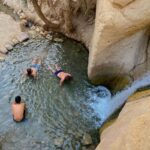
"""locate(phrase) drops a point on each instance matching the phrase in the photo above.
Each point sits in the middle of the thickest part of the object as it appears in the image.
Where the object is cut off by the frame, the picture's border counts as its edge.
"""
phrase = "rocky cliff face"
(117, 37)
(131, 129)
(119, 41)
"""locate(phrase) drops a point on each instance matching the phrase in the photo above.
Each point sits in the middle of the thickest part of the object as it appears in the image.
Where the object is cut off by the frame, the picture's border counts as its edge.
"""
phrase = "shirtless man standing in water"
(60, 74)
(18, 109)
(33, 70)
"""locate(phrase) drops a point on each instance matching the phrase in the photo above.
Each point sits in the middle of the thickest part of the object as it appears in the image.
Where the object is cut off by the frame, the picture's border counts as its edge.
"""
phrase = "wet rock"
(23, 24)
(2, 57)
(70, 132)
(84, 148)
(23, 37)
(87, 140)
(58, 142)
(49, 37)
(9, 46)
(56, 22)
(25, 43)
(37, 29)
(58, 40)
(15, 41)
(78, 135)
(3, 50)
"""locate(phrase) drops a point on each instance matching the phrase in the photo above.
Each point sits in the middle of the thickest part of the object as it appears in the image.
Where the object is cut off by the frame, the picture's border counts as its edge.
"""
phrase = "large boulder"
(117, 40)
(131, 130)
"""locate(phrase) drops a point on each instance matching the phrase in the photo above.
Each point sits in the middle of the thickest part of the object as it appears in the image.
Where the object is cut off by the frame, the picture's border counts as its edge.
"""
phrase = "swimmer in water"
(62, 75)
(33, 70)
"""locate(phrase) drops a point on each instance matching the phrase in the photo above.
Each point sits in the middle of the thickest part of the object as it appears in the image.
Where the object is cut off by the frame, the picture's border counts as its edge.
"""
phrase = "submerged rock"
(59, 142)
(58, 40)
(87, 140)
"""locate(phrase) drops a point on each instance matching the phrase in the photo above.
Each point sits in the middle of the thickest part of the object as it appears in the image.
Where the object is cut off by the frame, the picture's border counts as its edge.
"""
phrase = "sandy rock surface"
(111, 53)
(10, 33)
(8, 30)
(131, 129)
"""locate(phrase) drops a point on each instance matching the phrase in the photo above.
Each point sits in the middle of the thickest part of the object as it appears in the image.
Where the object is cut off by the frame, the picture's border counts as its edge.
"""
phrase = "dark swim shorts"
(57, 72)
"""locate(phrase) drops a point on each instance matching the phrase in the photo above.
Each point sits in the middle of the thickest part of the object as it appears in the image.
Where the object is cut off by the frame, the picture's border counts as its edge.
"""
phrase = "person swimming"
(62, 75)
(18, 109)
(33, 70)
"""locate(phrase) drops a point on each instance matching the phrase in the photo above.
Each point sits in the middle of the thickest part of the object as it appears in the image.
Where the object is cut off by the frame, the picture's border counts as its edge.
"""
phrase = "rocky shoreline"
(130, 129)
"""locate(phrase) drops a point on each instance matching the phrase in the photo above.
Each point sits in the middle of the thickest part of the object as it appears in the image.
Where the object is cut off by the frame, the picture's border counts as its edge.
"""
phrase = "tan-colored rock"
(139, 95)
(114, 65)
(37, 29)
(131, 130)
(9, 29)
(122, 3)
(23, 25)
(9, 46)
(59, 142)
(58, 40)
(50, 37)
(15, 41)
(23, 37)
(112, 55)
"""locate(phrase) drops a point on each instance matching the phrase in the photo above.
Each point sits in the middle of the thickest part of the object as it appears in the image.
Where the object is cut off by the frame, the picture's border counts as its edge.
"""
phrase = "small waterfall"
(106, 106)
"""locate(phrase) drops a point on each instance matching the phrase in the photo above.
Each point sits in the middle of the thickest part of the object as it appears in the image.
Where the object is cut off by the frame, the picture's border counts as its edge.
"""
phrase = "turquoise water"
(54, 113)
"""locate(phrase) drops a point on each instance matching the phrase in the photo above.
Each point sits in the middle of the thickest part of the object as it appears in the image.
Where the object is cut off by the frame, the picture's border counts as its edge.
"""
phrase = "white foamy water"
(105, 107)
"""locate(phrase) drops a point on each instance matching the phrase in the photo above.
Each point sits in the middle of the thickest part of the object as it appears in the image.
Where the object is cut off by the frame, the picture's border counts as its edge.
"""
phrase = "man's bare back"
(18, 109)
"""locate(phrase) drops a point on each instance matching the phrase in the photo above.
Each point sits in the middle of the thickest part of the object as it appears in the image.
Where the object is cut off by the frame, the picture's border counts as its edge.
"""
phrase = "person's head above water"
(17, 99)
(29, 71)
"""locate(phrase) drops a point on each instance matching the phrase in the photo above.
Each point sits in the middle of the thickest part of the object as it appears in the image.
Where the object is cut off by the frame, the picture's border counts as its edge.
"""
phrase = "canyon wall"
(131, 129)
(119, 42)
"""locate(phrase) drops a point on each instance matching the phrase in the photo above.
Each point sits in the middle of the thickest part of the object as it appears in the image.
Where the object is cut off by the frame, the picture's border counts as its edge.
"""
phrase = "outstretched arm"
(61, 82)
(51, 69)
(57, 67)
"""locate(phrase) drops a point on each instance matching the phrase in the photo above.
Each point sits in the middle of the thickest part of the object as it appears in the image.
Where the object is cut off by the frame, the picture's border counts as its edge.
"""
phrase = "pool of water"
(57, 117)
